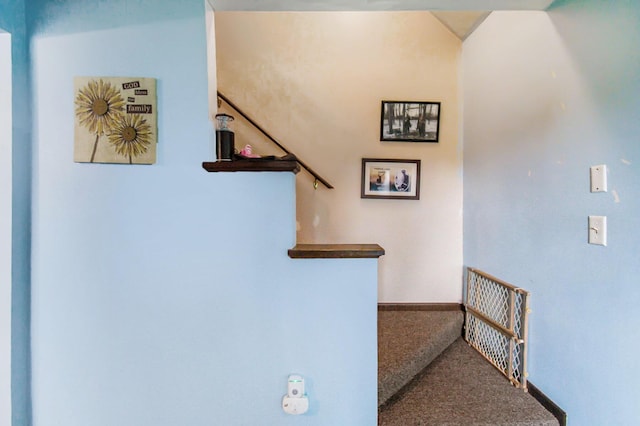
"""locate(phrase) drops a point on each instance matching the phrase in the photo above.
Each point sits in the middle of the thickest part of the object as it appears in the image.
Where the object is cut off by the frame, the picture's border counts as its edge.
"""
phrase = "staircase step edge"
(391, 383)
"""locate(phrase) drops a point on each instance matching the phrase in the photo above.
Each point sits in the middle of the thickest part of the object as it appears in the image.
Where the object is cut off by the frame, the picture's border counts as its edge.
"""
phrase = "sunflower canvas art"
(115, 120)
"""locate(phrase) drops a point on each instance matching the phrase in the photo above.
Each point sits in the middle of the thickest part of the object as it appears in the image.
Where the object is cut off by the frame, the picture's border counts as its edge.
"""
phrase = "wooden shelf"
(256, 165)
(335, 251)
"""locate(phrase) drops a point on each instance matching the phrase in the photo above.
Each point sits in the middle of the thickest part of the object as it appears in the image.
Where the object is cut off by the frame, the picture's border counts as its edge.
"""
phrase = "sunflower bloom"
(131, 136)
(98, 107)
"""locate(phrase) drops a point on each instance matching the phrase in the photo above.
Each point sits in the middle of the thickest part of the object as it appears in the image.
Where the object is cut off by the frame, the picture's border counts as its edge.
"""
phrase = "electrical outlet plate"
(295, 406)
(598, 178)
(598, 230)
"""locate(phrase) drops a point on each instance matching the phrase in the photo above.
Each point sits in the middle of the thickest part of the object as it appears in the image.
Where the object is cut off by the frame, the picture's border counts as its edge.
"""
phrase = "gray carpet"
(460, 388)
(408, 341)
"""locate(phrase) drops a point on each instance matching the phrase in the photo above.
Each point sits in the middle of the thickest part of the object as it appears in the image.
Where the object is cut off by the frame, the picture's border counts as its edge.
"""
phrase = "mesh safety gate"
(496, 323)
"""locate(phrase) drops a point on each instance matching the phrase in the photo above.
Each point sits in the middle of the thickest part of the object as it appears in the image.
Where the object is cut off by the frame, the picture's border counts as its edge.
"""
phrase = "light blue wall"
(162, 295)
(546, 96)
(12, 20)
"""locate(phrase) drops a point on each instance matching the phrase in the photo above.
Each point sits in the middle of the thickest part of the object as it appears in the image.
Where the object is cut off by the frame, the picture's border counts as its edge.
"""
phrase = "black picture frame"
(410, 121)
(393, 179)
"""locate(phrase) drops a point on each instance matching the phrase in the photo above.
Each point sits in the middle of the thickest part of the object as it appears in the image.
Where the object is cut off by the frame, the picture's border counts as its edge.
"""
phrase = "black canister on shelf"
(225, 145)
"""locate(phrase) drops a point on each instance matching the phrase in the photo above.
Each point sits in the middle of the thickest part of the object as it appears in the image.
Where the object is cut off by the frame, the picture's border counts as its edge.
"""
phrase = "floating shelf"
(256, 165)
(336, 251)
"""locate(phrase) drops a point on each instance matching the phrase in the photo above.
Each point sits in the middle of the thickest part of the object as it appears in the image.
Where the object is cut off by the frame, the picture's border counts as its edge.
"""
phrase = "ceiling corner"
(462, 24)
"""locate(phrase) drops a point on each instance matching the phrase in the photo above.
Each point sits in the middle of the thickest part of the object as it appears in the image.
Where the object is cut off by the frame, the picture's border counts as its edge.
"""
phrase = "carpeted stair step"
(408, 341)
(460, 388)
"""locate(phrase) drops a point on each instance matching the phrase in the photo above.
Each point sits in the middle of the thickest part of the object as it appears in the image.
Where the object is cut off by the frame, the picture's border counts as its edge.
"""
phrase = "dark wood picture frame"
(392, 179)
(409, 121)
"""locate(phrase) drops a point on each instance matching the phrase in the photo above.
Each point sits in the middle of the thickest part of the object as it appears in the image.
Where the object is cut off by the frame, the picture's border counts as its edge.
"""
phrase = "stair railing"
(496, 323)
(317, 177)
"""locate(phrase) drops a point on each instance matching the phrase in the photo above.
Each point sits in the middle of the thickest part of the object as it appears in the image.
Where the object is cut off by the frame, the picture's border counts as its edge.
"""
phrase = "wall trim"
(6, 225)
(547, 403)
(420, 307)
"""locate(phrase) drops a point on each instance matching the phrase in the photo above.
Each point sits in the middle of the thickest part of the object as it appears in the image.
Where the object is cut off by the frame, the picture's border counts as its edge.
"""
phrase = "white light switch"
(598, 178)
(598, 230)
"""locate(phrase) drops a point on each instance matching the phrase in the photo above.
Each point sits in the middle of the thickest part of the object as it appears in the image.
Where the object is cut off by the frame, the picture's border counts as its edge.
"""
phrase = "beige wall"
(315, 81)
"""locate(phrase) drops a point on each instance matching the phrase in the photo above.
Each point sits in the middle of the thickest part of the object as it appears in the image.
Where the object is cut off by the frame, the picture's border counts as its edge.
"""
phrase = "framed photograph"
(392, 179)
(407, 121)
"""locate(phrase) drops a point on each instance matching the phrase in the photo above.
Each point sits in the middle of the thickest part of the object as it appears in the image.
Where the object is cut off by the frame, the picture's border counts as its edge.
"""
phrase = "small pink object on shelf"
(247, 151)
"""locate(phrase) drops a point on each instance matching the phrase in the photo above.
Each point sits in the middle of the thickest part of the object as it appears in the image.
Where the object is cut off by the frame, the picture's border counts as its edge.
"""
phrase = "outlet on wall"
(598, 178)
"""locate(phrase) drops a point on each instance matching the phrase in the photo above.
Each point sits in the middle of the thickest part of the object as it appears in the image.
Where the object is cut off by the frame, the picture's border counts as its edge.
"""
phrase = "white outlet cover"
(598, 178)
(295, 406)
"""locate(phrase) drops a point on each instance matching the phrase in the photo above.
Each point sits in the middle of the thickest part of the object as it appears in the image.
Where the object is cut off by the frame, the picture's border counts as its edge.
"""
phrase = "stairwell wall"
(315, 81)
(546, 96)
(163, 294)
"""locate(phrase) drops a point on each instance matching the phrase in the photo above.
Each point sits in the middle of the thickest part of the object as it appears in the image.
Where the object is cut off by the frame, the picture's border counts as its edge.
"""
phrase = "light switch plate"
(598, 178)
(598, 230)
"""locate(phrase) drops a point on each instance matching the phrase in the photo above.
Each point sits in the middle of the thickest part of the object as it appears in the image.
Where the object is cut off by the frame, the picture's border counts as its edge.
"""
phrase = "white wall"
(546, 96)
(315, 81)
(211, 64)
(6, 213)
